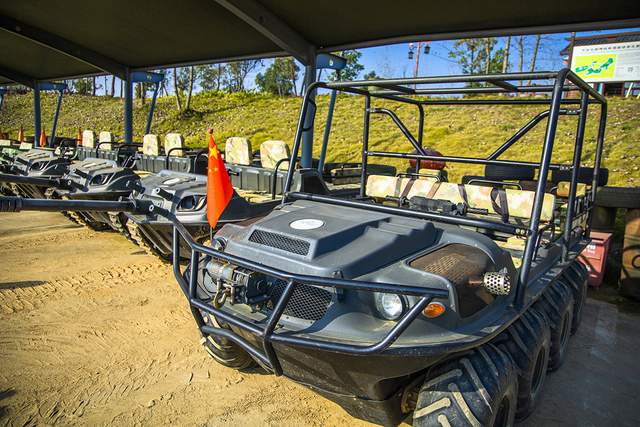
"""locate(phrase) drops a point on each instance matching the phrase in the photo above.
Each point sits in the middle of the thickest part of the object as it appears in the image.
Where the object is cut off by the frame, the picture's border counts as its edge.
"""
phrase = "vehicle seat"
(150, 152)
(271, 152)
(173, 144)
(507, 203)
(237, 151)
(105, 136)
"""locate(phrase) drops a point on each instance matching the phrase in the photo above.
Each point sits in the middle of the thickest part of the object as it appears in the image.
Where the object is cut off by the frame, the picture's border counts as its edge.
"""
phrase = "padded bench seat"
(518, 203)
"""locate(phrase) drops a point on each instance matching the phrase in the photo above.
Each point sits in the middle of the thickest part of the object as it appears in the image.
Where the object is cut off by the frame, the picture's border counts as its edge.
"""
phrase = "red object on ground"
(594, 257)
(219, 189)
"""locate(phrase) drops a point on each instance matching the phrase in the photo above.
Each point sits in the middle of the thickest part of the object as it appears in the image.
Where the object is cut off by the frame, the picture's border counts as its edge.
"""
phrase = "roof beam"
(17, 77)
(272, 27)
(63, 46)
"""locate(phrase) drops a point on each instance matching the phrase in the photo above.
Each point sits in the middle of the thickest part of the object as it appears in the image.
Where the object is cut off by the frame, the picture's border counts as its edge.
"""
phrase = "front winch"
(237, 285)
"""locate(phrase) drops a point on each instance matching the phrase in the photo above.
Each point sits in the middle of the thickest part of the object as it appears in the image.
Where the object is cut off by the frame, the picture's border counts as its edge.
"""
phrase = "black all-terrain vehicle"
(442, 302)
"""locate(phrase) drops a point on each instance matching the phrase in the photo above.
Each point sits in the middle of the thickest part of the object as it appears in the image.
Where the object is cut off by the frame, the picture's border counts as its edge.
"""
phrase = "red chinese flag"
(219, 189)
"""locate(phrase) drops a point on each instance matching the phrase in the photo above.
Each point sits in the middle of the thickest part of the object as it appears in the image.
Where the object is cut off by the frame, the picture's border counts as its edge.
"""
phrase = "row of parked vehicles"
(395, 293)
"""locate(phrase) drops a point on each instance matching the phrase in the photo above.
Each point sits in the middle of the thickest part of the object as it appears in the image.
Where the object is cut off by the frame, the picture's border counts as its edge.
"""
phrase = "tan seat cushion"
(237, 151)
(105, 136)
(174, 140)
(271, 152)
(564, 187)
(151, 145)
(5, 143)
(25, 146)
(519, 202)
(89, 139)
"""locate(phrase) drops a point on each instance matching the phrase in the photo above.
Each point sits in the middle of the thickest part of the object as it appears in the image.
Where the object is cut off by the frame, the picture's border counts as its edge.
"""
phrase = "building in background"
(610, 62)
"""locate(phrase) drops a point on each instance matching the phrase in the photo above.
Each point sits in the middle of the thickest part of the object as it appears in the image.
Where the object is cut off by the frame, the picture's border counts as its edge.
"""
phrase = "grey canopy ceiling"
(53, 39)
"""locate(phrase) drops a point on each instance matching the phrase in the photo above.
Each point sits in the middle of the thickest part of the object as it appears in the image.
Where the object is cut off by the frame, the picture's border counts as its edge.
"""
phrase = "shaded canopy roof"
(53, 39)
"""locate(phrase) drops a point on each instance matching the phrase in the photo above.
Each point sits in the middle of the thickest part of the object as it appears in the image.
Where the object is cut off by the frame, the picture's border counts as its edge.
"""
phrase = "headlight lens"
(192, 203)
(100, 179)
(37, 166)
(390, 306)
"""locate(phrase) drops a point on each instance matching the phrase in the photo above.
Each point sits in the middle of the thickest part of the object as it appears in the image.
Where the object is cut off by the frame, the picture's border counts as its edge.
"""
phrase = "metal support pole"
(327, 130)
(365, 145)
(152, 107)
(307, 136)
(598, 159)
(577, 155)
(128, 109)
(545, 161)
(37, 115)
(55, 119)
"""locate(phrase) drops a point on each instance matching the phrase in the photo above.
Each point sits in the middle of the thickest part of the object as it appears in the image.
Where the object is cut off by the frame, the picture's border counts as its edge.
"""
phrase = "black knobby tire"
(51, 194)
(477, 389)
(528, 342)
(618, 197)
(119, 223)
(556, 303)
(224, 351)
(575, 276)
(81, 219)
(141, 240)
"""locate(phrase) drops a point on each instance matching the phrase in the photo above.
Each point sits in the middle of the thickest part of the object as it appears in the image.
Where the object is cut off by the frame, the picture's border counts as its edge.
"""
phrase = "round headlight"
(192, 203)
(390, 306)
(100, 179)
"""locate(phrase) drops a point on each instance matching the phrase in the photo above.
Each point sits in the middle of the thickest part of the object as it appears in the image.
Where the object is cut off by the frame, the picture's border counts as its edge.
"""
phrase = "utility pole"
(415, 51)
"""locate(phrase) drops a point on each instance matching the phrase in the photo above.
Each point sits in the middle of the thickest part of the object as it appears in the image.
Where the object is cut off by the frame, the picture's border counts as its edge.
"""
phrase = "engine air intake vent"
(306, 302)
(278, 241)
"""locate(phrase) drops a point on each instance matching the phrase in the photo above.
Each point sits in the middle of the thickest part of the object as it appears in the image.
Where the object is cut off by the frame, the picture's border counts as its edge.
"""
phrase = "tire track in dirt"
(16, 298)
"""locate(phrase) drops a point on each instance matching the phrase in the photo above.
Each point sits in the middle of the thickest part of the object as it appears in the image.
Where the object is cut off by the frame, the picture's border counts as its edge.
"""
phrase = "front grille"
(306, 302)
(278, 241)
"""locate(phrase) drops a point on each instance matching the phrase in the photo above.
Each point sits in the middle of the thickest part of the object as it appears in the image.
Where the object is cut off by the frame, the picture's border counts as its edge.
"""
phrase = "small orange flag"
(79, 138)
(219, 188)
(21, 135)
(43, 138)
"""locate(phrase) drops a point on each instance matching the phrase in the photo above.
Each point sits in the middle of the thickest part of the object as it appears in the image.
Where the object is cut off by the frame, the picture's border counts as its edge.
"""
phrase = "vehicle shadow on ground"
(3, 395)
(20, 285)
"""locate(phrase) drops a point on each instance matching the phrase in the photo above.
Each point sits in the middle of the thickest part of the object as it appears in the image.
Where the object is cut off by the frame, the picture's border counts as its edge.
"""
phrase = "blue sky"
(392, 60)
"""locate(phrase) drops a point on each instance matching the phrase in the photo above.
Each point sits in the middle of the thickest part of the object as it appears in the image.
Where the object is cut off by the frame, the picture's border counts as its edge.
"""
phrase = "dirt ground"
(95, 332)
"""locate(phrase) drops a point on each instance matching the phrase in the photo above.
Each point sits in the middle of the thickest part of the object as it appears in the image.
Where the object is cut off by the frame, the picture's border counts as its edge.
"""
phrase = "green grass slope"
(461, 130)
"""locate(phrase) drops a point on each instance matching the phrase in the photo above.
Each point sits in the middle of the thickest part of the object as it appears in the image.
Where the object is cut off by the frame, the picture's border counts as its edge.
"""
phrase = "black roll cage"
(412, 91)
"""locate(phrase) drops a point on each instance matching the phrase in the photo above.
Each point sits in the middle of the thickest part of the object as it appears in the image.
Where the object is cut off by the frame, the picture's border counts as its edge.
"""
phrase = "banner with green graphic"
(607, 62)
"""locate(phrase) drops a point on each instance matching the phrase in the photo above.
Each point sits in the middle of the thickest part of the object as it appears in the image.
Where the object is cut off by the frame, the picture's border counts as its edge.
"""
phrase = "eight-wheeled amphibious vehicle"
(440, 302)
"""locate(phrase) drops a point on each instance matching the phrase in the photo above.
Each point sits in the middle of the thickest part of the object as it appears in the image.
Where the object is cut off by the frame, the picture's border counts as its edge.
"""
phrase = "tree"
(183, 81)
(505, 63)
(176, 90)
(371, 75)
(353, 68)
(236, 73)
(476, 56)
(211, 76)
(279, 78)
(521, 52)
(84, 86)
